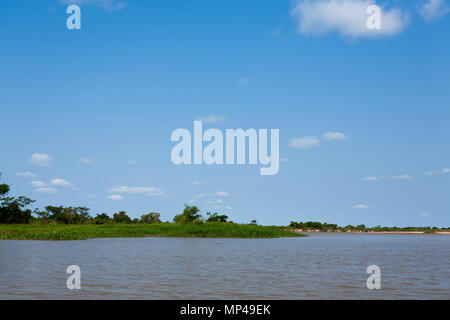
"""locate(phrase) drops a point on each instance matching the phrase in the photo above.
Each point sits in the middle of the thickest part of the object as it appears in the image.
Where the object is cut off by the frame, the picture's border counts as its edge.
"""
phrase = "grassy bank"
(81, 232)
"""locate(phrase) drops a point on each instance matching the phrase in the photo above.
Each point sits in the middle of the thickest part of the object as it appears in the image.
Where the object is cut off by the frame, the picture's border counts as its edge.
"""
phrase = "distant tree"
(361, 227)
(68, 215)
(215, 217)
(189, 215)
(101, 218)
(121, 217)
(4, 188)
(152, 217)
(254, 222)
(13, 210)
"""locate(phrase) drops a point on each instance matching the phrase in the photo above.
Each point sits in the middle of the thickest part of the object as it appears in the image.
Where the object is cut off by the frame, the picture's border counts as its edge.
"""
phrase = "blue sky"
(102, 102)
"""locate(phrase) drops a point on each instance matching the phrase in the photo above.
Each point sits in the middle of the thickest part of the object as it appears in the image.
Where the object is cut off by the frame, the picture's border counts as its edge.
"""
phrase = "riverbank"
(118, 230)
(300, 231)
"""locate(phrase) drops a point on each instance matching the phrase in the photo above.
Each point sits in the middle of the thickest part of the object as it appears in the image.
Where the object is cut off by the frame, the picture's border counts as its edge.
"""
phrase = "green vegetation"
(17, 221)
(325, 227)
(75, 223)
(121, 230)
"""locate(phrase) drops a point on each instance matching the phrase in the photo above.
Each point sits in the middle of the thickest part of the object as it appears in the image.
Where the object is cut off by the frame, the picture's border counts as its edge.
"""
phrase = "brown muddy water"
(322, 266)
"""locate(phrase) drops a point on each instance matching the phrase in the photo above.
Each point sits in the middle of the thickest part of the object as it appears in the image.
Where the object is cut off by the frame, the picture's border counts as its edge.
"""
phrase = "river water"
(322, 266)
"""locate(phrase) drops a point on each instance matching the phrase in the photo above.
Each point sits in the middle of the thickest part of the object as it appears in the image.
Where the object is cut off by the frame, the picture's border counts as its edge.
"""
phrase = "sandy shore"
(372, 232)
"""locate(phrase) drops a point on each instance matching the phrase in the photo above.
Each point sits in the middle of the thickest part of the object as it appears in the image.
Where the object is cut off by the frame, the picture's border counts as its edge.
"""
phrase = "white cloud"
(361, 206)
(402, 177)
(47, 190)
(434, 9)
(347, 17)
(25, 174)
(212, 119)
(335, 136)
(305, 142)
(40, 160)
(222, 193)
(424, 214)
(371, 179)
(445, 171)
(104, 4)
(197, 182)
(128, 163)
(244, 81)
(430, 173)
(38, 184)
(149, 191)
(223, 207)
(86, 160)
(115, 197)
(61, 183)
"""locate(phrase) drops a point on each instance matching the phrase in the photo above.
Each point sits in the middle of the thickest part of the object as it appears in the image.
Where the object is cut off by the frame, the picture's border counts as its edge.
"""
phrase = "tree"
(215, 217)
(189, 215)
(152, 217)
(4, 188)
(101, 218)
(13, 210)
(254, 222)
(68, 215)
(121, 217)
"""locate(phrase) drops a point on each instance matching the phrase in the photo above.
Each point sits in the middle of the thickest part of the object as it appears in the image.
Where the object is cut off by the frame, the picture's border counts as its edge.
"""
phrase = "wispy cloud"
(115, 197)
(335, 136)
(26, 174)
(212, 119)
(40, 159)
(86, 160)
(434, 9)
(127, 163)
(347, 17)
(305, 142)
(47, 190)
(104, 4)
(197, 182)
(433, 173)
(371, 178)
(361, 206)
(222, 193)
(402, 177)
(38, 184)
(223, 207)
(57, 182)
(424, 214)
(149, 191)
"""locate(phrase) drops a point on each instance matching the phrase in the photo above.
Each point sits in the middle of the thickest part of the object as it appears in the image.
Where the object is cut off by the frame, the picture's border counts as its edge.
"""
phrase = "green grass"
(82, 232)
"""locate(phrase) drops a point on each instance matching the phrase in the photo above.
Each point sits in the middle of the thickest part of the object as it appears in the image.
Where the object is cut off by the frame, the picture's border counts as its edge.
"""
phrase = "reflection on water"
(323, 266)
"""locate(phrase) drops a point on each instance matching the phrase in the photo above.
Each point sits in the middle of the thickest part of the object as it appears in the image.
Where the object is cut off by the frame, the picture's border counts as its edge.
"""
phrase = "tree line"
(314, 225)
(15, 210)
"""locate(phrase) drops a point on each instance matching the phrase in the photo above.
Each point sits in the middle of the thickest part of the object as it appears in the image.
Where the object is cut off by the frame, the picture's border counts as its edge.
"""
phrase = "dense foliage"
(122, 230)
(318, 226)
